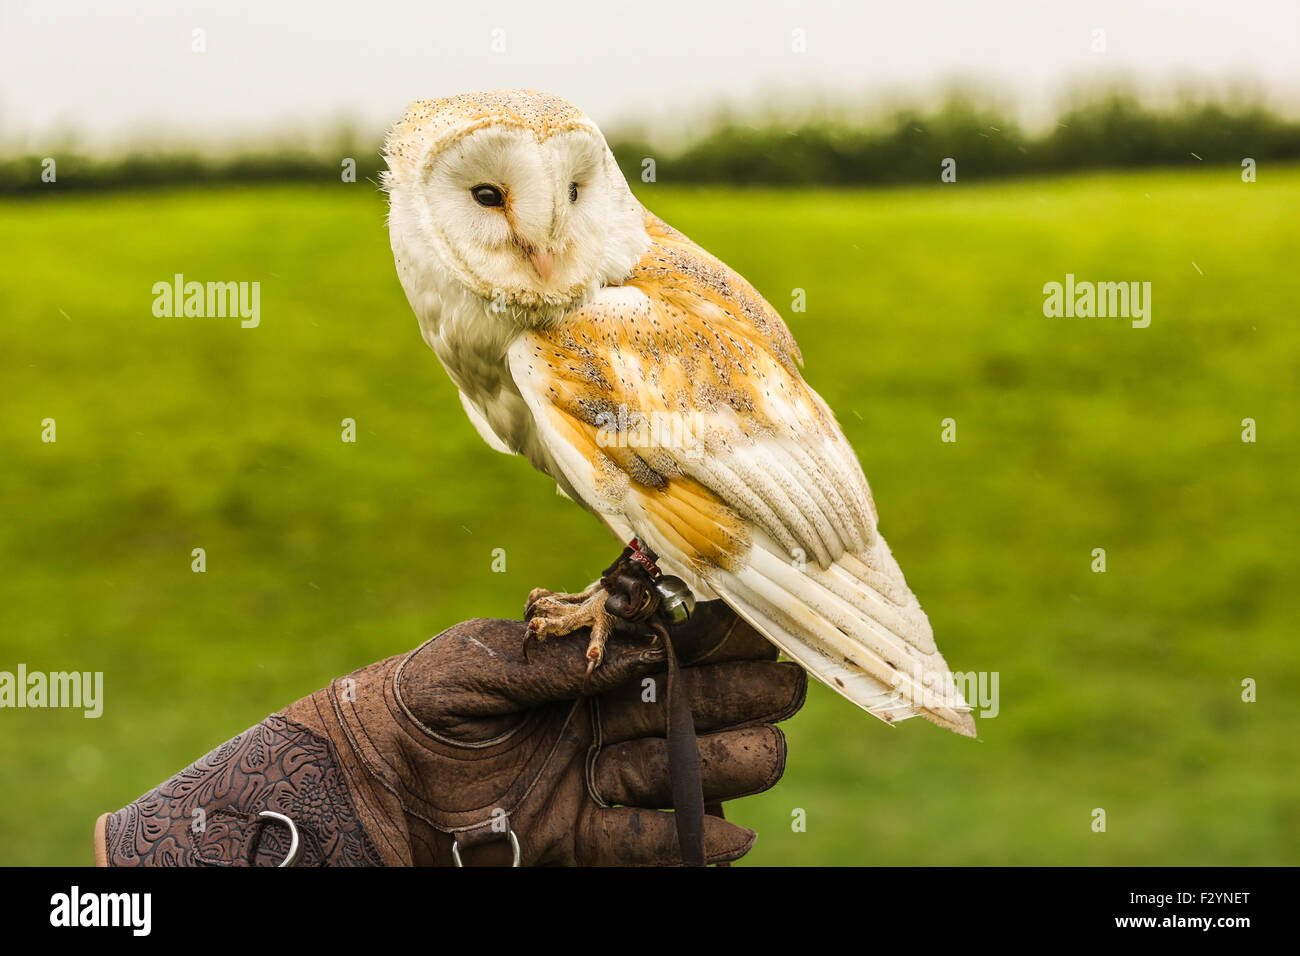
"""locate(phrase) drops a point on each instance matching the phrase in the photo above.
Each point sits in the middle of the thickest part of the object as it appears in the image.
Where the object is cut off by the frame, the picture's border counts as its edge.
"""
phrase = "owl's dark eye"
(573, 192)
(486, 195)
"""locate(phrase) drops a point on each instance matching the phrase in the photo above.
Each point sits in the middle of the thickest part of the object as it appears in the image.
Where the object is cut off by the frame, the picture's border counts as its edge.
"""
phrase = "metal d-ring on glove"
(516, 854)
(291, 855)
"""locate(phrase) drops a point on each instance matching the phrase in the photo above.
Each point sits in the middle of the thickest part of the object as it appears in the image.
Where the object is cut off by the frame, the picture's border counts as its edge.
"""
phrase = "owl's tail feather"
(854, 625)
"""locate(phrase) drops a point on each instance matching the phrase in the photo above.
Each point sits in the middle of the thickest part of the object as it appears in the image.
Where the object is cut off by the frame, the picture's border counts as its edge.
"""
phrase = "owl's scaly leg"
(555, 615)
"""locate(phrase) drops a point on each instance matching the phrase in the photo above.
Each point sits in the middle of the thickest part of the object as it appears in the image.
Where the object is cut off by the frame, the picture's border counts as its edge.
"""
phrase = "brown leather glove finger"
(628, 836)
(475, 680)
(734, 763)
(722, 695)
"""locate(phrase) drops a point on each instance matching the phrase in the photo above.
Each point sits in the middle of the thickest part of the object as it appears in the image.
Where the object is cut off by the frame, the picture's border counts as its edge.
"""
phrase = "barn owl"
(655, 386)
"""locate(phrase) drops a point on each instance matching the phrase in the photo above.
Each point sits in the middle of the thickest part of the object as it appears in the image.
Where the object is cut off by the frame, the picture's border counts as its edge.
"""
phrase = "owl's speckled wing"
(673, 405)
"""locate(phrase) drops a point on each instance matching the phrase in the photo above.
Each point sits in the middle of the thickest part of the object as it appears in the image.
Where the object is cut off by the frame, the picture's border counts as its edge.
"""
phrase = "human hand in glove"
(466, 748)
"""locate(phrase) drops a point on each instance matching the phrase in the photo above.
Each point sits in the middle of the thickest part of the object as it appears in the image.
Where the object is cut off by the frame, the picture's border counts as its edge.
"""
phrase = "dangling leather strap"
(633, 597)
(683, 761)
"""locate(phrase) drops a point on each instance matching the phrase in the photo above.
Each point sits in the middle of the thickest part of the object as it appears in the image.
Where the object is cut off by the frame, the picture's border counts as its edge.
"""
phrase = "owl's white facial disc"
(521, 220)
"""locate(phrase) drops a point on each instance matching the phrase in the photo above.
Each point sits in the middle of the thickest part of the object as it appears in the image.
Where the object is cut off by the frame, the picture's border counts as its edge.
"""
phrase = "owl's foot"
(625, 598)
(555, 615)
(540, 594)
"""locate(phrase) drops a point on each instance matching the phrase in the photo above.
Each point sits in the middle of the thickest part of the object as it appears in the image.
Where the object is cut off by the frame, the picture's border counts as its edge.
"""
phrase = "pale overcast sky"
(115, 73)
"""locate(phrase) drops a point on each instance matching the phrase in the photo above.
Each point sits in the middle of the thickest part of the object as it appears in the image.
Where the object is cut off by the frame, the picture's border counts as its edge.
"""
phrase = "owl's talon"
(595, 655)
(534, 597)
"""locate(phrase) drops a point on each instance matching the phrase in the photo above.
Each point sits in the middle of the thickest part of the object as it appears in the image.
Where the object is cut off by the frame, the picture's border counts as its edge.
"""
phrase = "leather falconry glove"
(476, 748)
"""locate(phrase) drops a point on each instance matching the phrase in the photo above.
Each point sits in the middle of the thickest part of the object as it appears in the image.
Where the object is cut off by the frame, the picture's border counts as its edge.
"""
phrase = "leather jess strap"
(683, 763)
(634, 598)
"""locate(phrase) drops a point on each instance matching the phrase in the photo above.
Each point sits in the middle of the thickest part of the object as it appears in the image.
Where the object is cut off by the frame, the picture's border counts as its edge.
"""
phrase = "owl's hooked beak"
(543, 261)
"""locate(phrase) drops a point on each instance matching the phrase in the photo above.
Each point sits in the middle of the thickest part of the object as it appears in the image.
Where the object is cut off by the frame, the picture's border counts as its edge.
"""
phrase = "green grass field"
(1119, 691)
